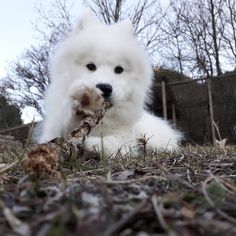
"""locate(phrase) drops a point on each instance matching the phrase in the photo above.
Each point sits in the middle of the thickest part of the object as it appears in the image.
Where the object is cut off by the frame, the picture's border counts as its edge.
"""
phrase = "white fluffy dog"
(99, 62)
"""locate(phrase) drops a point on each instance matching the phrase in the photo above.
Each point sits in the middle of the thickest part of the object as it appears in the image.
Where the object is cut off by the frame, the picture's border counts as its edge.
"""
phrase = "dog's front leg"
(110, 145)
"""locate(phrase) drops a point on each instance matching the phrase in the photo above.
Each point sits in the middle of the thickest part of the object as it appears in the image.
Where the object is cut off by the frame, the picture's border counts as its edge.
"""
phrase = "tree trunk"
(214, 37)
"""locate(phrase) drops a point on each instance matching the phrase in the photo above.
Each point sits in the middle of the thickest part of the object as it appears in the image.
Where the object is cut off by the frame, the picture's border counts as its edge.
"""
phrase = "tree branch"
(43, 159)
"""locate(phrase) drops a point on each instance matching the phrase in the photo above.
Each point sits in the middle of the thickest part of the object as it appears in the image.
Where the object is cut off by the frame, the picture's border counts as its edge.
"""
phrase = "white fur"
(124, 123)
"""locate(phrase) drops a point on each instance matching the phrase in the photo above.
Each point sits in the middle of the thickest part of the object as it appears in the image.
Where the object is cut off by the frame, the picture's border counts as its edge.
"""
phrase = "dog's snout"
(106, 89)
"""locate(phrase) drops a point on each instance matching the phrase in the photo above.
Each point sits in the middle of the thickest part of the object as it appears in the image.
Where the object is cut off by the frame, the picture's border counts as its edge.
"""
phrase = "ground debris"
(190, 192)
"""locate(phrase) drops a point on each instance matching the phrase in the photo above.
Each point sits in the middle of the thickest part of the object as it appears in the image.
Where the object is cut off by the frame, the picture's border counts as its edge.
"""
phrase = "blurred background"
(191, 44)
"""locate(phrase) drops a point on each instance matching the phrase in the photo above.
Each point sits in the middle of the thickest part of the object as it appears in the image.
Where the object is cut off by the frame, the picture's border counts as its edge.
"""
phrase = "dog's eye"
(118, 70)
(91, 66)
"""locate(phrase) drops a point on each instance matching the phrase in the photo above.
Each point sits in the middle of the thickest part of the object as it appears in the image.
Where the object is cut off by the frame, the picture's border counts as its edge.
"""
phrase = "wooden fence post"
(173, 115)
(211, 111)
(164, 103)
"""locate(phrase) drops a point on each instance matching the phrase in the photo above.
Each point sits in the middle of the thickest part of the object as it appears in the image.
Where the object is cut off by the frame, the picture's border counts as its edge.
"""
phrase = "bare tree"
(192, 36)
(107, 10)
(173, 48)
(229, 36)
(145, 15)
(217, 29)
(29, 77)
(199, 25)
(54, 23)
(29, 74)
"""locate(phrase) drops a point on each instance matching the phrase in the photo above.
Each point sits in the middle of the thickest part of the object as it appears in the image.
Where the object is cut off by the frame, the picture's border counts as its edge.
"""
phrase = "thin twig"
(9, 167)
(212, 204)
(158, 210)
(114, 182)
(19, 227)
(145, 178)
(127, 219)
(75, 142)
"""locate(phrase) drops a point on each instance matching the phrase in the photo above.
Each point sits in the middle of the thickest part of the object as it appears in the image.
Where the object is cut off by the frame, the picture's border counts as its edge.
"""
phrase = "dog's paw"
(86, 101)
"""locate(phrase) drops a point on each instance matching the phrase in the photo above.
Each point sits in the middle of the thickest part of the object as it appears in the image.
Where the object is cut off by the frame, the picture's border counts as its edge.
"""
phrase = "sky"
(17, 33)
(16, 28)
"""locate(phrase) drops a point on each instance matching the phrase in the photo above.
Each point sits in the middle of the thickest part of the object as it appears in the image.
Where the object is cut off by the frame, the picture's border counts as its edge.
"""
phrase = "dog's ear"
(87, 19)
(126, 26)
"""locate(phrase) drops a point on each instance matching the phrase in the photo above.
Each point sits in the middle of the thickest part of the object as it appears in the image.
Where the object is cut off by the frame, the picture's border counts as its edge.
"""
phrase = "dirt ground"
(186, 193)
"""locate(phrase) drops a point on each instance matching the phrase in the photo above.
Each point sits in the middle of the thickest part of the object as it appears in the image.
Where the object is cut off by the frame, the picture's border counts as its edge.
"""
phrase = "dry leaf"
(187, 212)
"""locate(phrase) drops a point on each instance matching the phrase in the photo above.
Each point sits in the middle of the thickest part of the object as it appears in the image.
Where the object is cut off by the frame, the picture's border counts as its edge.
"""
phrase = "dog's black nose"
(106, 89)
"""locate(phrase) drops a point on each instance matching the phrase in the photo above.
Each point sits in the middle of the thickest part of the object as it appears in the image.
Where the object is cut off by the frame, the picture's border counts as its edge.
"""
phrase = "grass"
(190, 192)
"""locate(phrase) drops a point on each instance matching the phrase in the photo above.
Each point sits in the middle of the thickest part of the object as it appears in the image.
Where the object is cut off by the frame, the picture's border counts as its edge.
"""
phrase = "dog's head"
(105, 56)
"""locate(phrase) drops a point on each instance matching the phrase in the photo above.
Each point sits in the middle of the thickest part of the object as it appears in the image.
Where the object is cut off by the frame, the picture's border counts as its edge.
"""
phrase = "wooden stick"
(75, 142)
(211, 111)
(43, 159)
(164, 103)
(173, 115)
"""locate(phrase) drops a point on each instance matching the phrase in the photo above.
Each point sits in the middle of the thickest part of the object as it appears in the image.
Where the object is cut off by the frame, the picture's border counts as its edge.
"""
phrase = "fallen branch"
(75, 142)
(43, 159)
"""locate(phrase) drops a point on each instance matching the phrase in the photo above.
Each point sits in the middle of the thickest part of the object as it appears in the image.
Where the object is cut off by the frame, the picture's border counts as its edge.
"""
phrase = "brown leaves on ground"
(192, 192)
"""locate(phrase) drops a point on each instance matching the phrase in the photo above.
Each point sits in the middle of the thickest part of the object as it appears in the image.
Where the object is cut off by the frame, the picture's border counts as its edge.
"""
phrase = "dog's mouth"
(109, 100)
